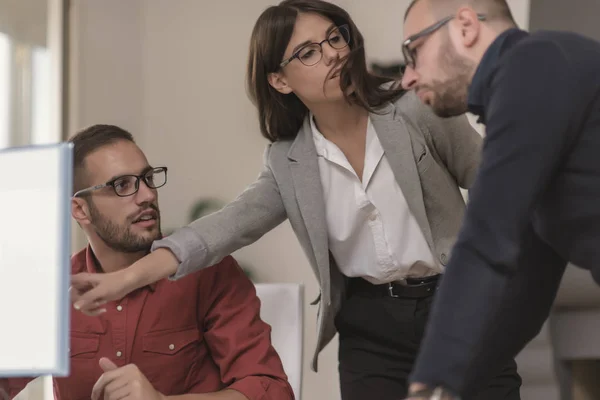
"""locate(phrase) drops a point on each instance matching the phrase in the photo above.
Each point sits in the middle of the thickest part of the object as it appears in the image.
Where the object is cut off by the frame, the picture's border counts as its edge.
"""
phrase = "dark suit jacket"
(534, 206)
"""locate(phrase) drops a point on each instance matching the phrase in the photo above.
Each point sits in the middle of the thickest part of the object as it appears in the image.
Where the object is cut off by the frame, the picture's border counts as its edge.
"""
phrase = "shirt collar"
(321, 143)
(318, 137)
(489, 60)
(91, 265)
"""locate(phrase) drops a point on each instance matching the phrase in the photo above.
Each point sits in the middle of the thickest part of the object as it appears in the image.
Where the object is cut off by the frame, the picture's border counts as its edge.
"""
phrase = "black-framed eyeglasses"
(410, 54)
(128, 185)
(312, 53)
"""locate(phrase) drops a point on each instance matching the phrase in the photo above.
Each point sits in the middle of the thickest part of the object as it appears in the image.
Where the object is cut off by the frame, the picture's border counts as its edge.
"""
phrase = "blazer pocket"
(316, 301)
(170, 343)
(424, 159)
(84, 345)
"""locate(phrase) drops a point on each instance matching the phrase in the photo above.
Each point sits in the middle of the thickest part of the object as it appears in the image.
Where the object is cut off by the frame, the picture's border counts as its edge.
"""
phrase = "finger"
(93, 311)
(118, 389)
(107, 365)
(84, 280)
(74, 294)
(98, 389)
(81, 284)
(90, 300)
(118, 394)
(103, 381)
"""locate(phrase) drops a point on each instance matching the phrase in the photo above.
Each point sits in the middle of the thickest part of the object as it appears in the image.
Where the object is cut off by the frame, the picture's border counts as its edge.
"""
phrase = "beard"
(450, 95)
(120, 237)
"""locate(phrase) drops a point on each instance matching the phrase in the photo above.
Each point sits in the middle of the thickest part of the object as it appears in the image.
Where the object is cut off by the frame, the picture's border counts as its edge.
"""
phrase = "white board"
(35, 237)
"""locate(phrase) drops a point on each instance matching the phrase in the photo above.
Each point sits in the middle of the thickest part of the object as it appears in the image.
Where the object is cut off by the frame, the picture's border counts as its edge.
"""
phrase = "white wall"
(105, 64)
(579, 16)
(173, 73)
(25, 20)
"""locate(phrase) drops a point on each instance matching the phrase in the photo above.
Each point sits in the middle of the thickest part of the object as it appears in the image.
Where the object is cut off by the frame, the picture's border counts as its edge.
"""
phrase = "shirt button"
(119, 308)
(444, 258)
(119, 354)
(171, 347)
(373, 217)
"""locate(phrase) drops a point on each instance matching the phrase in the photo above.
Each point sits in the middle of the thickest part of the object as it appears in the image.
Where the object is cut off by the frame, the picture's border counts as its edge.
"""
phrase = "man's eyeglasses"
(411, 54)
(312, 53)
(128, 185)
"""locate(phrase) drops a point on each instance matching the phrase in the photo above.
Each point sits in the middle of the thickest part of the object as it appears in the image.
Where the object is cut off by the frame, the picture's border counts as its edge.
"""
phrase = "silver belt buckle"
(391, 290)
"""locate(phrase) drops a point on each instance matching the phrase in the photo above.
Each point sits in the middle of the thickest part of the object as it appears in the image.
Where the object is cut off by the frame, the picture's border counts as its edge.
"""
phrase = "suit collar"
(303, 147)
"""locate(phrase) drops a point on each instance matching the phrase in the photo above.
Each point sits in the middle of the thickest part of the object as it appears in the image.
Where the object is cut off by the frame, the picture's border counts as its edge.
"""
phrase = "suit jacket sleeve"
(527, 133)
(239, 341)
(209, 239)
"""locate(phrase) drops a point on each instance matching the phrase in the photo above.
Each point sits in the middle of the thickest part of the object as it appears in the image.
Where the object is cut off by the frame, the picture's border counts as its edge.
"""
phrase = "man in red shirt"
(198, 338)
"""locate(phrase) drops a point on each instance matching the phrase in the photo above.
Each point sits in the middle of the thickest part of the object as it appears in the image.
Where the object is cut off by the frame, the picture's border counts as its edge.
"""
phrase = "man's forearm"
(227, 394)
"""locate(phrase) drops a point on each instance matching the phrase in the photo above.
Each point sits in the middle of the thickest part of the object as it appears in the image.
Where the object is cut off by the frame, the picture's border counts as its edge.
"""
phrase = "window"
(40, 107)
(5, 90)
(24, 94)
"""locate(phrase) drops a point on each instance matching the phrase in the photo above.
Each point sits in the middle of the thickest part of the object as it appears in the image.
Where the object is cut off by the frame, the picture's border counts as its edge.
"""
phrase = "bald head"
(494, 10)
(444, 42)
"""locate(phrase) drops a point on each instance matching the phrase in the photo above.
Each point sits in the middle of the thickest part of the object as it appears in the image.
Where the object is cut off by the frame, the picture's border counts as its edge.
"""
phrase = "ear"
(469, 25)
(279, 83)
(80, 211)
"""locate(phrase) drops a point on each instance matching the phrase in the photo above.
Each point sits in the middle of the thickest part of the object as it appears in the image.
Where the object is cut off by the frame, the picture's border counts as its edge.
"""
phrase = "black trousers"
(379, 339)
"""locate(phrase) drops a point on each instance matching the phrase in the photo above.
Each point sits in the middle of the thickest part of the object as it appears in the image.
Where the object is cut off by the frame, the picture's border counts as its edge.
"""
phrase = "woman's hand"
(89, 291)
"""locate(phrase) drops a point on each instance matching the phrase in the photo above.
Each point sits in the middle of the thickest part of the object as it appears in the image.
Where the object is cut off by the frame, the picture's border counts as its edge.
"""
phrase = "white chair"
(38, 389)
(282, 307)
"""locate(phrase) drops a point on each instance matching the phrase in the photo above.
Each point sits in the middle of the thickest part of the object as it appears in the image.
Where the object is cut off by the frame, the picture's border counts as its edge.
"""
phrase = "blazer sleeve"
(206, 241)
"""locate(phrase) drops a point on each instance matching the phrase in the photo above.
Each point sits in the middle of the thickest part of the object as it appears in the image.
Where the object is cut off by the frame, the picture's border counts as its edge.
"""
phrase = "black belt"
(415, 288)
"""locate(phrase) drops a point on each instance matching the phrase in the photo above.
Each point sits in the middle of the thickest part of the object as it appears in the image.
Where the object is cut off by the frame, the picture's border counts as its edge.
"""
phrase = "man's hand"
(415, 387)
(418, 391)
(124, 383)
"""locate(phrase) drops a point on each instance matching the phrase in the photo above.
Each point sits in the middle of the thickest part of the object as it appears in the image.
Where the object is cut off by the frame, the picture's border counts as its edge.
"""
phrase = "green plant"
(205, 206)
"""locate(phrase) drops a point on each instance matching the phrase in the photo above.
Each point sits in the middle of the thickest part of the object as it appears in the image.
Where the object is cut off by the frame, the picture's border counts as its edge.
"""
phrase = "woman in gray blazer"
(368, 177)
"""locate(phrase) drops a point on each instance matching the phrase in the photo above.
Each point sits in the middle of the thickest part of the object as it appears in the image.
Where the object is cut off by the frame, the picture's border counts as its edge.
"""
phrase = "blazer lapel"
(392, 132)
(306, 177)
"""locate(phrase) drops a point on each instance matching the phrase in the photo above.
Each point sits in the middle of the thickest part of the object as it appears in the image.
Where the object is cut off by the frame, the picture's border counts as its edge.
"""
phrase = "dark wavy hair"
(281, 115)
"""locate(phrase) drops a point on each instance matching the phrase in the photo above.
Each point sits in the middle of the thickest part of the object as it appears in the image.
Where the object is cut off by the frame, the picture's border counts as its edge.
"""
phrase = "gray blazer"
(430, 157)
